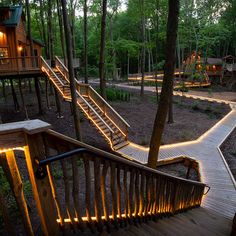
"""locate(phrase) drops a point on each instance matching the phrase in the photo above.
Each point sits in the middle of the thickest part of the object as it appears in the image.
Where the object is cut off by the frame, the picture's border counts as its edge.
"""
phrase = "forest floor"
(191, 119)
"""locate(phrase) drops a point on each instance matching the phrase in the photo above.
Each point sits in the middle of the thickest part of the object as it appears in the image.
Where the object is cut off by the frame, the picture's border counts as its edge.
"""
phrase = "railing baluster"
(67, 192)
(136, 201)
(88, 189)
(104, 192)
(141, 195)
(13, 175)
(131, 194)
(55, 196)
(76, 190)
(97, 193)
(118, 193)
(126, 196)
(114, 193)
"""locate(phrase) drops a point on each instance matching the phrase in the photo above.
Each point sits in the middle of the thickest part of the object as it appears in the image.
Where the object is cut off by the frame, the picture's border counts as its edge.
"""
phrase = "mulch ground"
(228, 149)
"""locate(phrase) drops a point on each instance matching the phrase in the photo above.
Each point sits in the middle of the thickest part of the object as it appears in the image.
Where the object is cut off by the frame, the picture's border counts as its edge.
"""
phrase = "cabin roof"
(210, 61)
(229, 57)
(15, 16)
(214, 61)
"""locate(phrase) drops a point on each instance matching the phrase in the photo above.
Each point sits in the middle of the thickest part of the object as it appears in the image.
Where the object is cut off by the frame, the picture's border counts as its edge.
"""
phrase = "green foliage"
(114, 94)
(195, 106)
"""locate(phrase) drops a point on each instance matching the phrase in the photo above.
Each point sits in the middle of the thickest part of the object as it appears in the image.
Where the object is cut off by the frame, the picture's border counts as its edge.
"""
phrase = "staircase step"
(120, 145)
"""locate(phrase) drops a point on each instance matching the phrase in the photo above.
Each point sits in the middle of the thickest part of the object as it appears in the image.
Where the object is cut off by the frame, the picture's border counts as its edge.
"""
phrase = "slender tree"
(142, 10)
(29, 31)
(85, 42)
(172, 27)
(71, 70)
(102, 50)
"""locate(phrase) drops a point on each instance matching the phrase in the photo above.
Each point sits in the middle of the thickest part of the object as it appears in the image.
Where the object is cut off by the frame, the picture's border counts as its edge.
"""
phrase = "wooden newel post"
(41, 187)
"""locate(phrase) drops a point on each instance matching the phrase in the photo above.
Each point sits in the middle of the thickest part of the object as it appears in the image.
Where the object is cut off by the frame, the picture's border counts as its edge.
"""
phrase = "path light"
(20, 48)
(1, 34)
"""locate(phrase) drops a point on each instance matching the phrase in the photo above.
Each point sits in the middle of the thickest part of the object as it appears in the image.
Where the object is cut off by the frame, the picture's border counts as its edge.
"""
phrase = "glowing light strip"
(58, 88)
(90, 118)
(108, 117)
(12, 149)
(93, 218)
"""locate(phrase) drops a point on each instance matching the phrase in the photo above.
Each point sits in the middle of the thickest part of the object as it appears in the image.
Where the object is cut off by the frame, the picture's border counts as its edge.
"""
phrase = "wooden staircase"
(81, 190)
(107, 121)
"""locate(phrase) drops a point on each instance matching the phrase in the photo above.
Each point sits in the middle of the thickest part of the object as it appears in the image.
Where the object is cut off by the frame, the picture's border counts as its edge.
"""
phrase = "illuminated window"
(3, 54)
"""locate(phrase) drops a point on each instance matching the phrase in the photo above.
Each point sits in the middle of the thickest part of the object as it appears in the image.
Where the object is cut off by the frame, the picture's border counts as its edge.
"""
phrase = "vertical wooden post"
(14, 178)
(41, 187)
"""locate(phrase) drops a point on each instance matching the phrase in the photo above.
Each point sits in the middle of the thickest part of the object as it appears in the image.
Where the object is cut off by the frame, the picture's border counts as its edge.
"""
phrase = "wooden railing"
(19, 64)
(54, 78)
(91, 188)
(87, 90)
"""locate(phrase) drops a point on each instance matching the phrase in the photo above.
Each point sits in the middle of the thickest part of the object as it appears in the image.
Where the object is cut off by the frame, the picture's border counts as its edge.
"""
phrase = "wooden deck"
(195, 222)
(214, 170)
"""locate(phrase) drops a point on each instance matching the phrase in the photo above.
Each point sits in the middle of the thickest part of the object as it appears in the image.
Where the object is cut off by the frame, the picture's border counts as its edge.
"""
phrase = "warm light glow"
(108, 117)
(11, 149)
(93, 218)
(1, 34)
(20, 48)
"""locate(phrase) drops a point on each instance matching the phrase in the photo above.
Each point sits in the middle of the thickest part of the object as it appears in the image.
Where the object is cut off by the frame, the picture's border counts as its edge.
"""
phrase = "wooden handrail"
(113, 157)
(91, 108)
(109, 106)
(58, 61)
(94, 92)
(44, 63)
(113, 189)
(135, 191)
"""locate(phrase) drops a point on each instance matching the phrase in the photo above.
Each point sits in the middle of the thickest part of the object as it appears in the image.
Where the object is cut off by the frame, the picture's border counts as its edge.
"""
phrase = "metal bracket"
(207, 190)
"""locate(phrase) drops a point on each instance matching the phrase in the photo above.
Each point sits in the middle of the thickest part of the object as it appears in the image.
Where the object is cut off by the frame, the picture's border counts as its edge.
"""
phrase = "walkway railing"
(20, 64)
(87, 90)
(76, 185)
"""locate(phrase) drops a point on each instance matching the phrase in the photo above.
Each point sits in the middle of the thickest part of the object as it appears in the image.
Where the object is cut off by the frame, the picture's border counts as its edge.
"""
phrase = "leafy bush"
(114, 94)
(195, 106)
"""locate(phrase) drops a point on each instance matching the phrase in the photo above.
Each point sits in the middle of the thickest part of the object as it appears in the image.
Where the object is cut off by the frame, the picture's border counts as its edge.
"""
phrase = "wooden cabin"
(15, 55)
(212, 66)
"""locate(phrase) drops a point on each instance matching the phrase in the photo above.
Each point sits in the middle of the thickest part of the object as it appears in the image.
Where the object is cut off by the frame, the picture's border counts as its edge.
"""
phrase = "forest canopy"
(204, 26)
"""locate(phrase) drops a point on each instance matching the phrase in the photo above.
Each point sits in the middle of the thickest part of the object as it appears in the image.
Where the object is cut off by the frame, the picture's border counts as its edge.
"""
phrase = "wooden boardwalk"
(213, 168)
(193, 222)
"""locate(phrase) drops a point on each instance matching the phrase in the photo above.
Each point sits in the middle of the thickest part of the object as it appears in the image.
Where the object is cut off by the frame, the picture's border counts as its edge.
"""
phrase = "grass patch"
(114, 94)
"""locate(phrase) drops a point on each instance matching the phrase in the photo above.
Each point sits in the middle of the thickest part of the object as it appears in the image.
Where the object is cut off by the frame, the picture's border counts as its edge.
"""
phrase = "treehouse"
(15, 54)
(212, 66)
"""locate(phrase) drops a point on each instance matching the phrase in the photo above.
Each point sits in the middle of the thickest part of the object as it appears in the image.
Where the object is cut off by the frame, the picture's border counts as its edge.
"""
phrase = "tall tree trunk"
(50, 33)
(143, 47)
(4, 90)
(62, 36)
(23, 100)
(162, 110)
(71, 70)
(85, 43)
(38, 94)
(46, 92)
(170, 112)
(102, 50)
(42, 17)
(157, 30)
(128, 64)
(29, 85)
(16, 103)
(58, 103)
(29, 32)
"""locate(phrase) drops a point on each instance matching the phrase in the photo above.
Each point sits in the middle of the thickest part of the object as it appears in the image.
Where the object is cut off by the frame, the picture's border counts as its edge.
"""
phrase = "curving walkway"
(213, 168)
